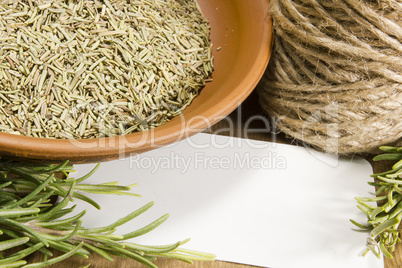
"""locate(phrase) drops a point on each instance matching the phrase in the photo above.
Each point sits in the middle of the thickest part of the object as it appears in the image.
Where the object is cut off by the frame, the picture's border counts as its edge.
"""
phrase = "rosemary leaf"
(21, 254)
(56, 259)
(121, 221)
(4, 245)
(147, 229)
(17, 212)
(29, 218)
(383, 221)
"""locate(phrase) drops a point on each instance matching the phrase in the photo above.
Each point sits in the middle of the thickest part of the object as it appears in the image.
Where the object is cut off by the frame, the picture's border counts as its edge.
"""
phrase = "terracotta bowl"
(243, 31)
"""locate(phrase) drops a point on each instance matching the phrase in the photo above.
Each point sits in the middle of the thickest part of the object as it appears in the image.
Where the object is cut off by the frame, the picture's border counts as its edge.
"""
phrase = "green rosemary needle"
(383, 221)
(31, 221)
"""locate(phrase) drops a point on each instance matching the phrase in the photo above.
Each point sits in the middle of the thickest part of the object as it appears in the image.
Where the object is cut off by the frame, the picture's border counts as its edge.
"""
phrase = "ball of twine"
(334, 80)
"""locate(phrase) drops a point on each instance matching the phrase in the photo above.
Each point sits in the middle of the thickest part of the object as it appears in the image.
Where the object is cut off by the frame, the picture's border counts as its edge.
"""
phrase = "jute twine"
(335, 77)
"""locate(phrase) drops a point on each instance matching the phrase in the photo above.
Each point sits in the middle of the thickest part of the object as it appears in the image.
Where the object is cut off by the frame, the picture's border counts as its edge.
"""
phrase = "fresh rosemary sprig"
(31, 221)
(383, 220)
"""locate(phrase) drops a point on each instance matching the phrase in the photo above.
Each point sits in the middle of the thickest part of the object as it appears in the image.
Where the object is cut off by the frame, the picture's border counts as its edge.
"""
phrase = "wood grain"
(247, 122)
(98, 262)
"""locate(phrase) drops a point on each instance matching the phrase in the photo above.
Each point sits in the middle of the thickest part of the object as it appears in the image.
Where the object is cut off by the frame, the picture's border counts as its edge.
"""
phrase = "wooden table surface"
(256, 128)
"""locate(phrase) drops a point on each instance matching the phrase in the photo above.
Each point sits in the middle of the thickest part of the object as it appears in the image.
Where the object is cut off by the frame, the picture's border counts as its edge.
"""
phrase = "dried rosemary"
(94, 68)
(30, 220)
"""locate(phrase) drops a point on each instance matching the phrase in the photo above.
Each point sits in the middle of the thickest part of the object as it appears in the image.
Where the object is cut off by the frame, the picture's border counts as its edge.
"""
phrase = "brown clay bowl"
(241, 28)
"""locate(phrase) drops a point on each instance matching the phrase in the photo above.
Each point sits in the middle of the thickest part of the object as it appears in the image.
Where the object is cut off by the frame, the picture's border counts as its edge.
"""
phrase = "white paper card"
(247, 201)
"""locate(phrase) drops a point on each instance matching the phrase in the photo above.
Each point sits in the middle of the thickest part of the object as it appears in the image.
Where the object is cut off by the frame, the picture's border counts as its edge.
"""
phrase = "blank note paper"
(247, 201)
